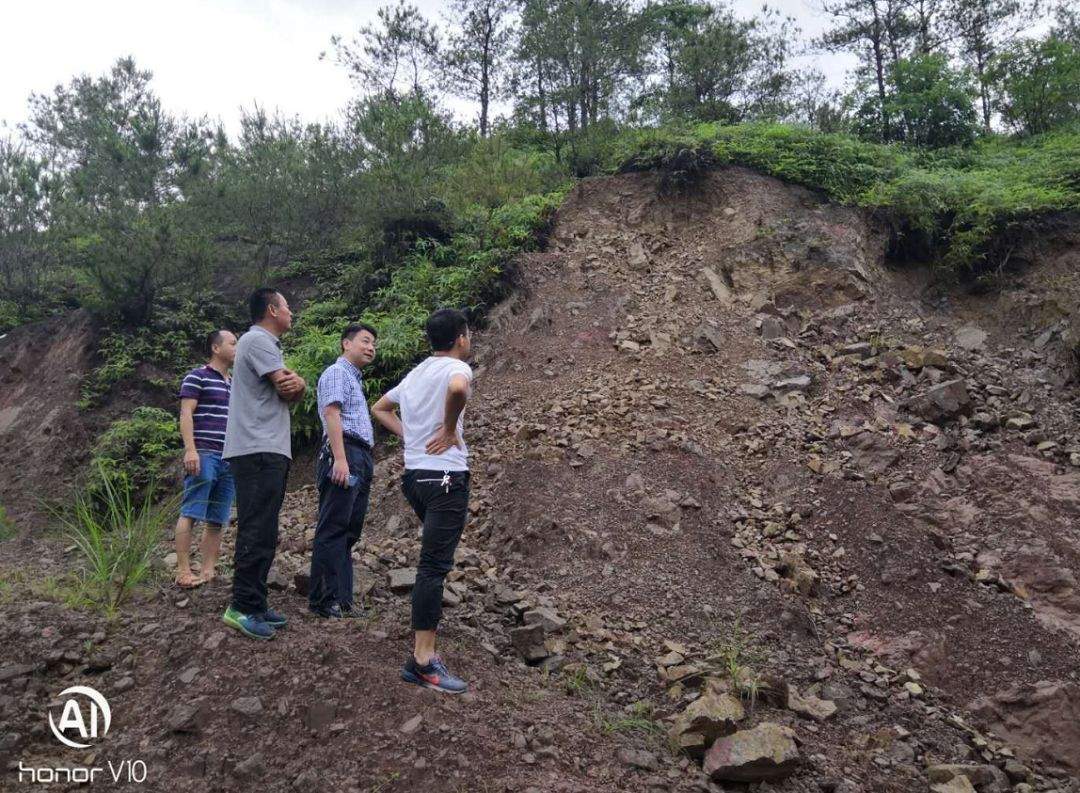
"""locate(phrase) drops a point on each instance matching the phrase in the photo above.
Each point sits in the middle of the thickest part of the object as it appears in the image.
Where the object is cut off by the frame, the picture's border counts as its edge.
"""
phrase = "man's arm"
(339, 475)
(265, 359)
(187, 434)
(383, 411)
(457, 394)
(289, 385)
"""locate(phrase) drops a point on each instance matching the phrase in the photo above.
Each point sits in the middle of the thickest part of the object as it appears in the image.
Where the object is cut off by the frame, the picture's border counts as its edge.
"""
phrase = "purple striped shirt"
(206, 385)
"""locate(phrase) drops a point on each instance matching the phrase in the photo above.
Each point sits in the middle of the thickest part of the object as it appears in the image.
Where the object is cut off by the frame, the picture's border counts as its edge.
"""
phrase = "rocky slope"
(740, 489)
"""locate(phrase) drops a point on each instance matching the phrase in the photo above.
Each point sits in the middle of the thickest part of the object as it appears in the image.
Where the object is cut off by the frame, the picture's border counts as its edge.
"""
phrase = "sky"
(213, 57)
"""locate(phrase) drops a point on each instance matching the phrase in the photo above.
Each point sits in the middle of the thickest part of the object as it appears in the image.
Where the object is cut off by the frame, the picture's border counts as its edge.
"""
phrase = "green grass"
(115, 536)
(637, 720)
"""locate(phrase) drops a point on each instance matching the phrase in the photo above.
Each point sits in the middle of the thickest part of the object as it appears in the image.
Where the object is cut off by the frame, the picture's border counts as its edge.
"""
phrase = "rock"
(277, 580)
(529, 642)
(798, 383)
(944, 401)
(810, 706)
(771, 328)
(1017, 771)
(970, 337)
(978, 775)
(799, 575)
(402, 579)
(872, 453)
(548, 618)
(959, 784)
(214, 640)
(708, 337)
(15, 671)
(412, 725)
(1042, 720)
(756, 390)
(246, 706)
(638, 758)
(712, 715)
(861, 349)
(187, 717)
(125, 683)
(637, 256)
(765, 753)
(253, 767)
(718, 286)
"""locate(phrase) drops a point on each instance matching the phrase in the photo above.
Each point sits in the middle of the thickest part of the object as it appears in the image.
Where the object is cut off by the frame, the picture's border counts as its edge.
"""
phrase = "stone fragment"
(402, 579)
(765, 753)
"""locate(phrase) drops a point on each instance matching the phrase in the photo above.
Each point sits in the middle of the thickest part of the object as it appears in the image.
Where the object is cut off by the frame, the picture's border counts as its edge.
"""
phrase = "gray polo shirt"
(258, 417)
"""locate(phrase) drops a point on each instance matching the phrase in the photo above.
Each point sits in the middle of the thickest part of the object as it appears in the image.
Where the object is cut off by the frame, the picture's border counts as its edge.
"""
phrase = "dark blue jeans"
(341, 519)
(441, 501)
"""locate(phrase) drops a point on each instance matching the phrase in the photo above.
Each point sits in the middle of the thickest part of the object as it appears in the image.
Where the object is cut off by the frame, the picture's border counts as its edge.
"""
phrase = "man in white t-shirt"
(432, 400)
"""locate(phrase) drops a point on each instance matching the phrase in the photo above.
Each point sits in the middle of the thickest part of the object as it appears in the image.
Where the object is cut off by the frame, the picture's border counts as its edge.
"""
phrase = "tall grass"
(116, 535)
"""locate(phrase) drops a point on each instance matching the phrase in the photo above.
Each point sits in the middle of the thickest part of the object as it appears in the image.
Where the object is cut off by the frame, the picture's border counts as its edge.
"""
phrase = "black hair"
(212, 338)
(260, 300)
(444, 326)
(353, 328)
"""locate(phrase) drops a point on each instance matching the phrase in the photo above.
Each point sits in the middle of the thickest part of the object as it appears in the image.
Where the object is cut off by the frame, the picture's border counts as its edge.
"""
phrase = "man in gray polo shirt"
(259, 451)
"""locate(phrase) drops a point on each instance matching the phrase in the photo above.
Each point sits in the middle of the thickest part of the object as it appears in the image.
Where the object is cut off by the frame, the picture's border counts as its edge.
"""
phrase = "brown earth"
(705, 434)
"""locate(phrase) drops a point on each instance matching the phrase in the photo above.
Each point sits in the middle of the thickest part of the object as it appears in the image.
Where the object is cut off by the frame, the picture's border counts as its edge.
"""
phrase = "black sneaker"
(331, 613)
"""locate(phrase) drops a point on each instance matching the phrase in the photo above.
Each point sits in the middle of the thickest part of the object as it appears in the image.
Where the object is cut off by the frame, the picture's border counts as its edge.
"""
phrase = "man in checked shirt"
(343, 472)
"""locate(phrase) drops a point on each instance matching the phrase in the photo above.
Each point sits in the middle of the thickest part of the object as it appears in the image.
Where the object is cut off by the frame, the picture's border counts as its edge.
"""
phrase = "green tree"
(1037, 83)
(980, 26)
(878, 31)
(394, 57)
(931, 102)
(108, 137)
(26, 189)
(476, 54)
(117, 214)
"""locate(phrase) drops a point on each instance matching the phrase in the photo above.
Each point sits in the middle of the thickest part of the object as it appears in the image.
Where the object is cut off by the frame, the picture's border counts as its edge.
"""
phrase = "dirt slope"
(712, 430)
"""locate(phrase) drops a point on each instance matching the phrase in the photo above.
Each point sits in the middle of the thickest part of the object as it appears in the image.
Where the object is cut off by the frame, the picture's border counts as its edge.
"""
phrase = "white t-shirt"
(422, 399)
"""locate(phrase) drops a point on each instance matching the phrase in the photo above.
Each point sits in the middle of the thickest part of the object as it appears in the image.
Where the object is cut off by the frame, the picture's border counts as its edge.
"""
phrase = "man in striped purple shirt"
(208, 485)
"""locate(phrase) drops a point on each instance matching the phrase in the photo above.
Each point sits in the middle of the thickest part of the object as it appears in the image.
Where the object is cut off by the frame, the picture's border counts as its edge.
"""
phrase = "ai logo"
(90, 722)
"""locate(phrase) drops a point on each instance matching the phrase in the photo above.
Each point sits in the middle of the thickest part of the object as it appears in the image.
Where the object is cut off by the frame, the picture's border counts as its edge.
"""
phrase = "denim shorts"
(209, 495)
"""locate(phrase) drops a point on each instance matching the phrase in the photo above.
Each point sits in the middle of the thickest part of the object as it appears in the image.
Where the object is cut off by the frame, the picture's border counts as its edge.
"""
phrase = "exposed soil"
(708, 431)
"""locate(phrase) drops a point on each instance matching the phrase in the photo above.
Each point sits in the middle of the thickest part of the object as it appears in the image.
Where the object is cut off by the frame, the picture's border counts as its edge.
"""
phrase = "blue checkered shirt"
(343, 384)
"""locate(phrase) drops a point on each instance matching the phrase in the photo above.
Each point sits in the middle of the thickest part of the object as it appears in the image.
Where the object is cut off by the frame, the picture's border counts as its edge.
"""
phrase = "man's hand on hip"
(441, 441)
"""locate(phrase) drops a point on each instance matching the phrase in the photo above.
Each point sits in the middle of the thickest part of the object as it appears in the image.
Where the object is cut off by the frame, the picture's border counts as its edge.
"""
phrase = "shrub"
(135, 454)
(465, 272)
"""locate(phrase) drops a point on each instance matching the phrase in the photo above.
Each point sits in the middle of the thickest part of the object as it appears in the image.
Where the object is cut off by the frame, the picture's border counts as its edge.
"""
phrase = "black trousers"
(260, 489)
(441, 501)
(341, 519)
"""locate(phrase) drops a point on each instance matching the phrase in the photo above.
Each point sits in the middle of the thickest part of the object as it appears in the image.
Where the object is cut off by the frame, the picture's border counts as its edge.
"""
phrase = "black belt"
(351, 439)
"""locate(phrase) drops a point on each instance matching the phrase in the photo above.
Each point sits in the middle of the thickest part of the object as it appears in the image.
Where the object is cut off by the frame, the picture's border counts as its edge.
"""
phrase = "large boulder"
(765, 753)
